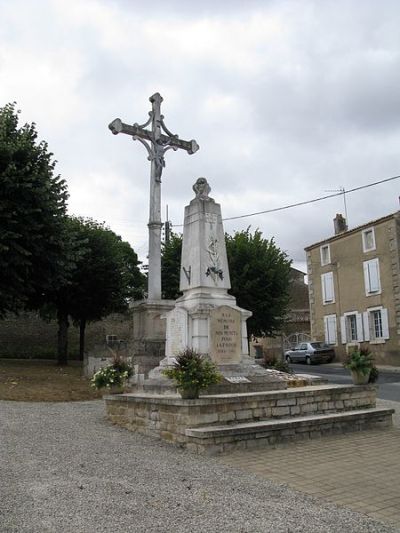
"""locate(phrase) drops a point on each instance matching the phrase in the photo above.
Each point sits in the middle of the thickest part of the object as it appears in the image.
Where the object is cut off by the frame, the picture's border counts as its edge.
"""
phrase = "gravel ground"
(65, 468)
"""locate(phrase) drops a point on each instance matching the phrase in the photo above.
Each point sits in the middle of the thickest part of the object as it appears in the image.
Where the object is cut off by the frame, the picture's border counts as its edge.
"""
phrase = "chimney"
(339, 223)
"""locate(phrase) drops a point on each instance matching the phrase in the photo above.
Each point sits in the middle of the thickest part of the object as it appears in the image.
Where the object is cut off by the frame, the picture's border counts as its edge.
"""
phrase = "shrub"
(374, 374)
(193, 371)
(114, 374)
(271, 361)
(359, 361)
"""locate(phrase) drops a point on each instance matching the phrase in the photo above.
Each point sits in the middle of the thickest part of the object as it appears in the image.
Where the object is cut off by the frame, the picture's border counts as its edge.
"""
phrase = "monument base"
(148, 338)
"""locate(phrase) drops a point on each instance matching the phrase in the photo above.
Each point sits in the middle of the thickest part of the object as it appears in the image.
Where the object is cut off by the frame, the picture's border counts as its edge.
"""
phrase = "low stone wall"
(169, 417)
(215, 440)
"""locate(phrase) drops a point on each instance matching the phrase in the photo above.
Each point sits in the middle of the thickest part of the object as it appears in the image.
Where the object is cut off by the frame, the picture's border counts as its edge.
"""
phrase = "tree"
(32, 209)
(104, 276)
(107, 276)
(259, 273)
(170, 267)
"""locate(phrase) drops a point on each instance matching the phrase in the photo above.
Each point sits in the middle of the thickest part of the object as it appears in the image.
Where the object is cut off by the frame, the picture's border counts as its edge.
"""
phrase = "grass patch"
(44, 381)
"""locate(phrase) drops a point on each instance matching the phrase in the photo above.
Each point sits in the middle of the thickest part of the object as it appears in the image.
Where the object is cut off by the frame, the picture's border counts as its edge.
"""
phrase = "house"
(354, 288)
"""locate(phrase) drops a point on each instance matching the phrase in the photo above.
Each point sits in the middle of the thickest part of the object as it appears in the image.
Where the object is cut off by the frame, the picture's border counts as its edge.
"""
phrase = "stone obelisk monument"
(206, 317)
(148, 328)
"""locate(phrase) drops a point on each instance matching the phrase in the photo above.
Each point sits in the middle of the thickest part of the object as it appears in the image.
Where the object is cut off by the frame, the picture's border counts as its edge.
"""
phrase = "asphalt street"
(388, 382)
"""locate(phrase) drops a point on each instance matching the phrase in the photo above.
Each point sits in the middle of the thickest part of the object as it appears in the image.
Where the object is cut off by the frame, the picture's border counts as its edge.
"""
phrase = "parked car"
(310, 352)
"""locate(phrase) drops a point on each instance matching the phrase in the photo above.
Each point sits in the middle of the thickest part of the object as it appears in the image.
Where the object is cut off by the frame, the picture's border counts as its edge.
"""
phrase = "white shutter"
(332, 329)
(366, 325)
(328, 294)
(371, 276)
(385, 323)
(343, 329)
(360, 336)
(326, 329)
(366, 278)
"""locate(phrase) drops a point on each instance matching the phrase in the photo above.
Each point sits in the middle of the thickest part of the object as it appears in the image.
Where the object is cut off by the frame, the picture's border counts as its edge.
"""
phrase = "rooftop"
(353, 230)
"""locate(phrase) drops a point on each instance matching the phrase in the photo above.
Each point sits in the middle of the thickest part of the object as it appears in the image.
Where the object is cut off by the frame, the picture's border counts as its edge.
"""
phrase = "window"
(351, 325)
(368, 240)
(328, 292)
(325, 254)
(351, 328)
(376, 324)
(371, 277)
(330, 329)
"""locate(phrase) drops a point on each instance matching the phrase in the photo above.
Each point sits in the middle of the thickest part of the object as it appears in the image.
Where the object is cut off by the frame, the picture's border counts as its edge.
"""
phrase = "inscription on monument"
(225, 337)
(176, 331)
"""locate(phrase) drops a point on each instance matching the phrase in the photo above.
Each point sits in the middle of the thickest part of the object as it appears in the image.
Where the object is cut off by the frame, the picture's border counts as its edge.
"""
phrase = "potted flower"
(192, 372)
(360, 364)
(113, 376)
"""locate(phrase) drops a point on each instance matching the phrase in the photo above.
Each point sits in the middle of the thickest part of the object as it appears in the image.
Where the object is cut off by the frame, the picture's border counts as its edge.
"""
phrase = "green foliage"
(114, 374)
(271, 361)
(192, 370)
(359, 361)
(373, 375)
(101, 274)
(259, 273)
(170, 267)
(32, 208)
(106, 274)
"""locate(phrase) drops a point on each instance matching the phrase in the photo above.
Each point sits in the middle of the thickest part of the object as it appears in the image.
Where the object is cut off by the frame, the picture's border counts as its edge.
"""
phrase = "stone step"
(214, 439)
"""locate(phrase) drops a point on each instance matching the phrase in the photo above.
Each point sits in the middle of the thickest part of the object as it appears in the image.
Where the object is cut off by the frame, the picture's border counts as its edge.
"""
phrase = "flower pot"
(359, 378)
(190, 393)
(116, 389)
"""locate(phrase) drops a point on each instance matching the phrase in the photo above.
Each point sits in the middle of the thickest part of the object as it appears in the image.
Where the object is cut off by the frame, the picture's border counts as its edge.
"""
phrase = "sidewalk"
(360, 471)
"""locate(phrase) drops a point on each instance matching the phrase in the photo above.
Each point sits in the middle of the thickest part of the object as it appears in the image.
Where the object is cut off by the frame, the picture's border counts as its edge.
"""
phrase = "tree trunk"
(62, 345)
(82, 328)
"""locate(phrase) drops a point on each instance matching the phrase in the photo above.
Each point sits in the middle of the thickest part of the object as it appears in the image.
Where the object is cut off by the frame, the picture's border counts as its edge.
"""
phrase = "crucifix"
(157, 141)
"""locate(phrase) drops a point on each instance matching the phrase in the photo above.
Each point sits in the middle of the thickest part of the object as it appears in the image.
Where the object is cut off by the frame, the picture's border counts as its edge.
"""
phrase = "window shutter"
(371, 276)
(385, 323)
(326, 329)
(359, 319)
(366, 278)
(366, 325)
(328, 294)
(332, 329)
(343, 329)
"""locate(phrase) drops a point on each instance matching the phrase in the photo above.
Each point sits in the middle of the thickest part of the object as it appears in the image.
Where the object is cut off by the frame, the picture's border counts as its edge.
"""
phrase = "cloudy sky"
(287, 99)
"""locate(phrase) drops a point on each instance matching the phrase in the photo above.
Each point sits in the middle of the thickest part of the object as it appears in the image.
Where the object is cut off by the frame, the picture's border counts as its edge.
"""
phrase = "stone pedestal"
(148, 339)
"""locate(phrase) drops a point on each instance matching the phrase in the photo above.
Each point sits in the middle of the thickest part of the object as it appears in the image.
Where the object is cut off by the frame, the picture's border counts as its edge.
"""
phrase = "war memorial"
(252, 406)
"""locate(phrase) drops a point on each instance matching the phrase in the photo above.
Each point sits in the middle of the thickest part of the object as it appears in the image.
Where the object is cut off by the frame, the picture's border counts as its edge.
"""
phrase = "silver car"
(310, 352)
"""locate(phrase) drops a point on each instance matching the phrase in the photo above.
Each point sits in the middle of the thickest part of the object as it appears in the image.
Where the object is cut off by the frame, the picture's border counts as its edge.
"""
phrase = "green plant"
(114, 374)
(359, 361)
(374, 374)
(271, 361)
(193, 371)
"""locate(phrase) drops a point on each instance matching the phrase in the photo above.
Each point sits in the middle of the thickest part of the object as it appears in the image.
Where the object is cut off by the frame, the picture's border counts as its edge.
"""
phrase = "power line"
(314, 200)
(275, 209)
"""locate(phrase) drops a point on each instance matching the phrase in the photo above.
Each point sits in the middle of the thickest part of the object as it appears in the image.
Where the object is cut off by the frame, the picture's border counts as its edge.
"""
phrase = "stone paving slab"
(360, 471)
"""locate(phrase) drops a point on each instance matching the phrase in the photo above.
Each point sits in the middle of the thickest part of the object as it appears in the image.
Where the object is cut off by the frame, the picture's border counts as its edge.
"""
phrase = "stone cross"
(156, 143)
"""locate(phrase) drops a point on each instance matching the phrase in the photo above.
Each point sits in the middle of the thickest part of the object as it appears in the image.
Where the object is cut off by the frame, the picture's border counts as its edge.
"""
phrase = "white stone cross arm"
(117, 126)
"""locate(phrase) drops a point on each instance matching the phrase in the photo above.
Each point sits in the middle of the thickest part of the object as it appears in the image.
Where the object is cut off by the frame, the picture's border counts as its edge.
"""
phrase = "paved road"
(389, 382)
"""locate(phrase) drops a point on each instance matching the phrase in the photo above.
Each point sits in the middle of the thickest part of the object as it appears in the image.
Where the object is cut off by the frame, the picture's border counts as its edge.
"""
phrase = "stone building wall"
(29, 336)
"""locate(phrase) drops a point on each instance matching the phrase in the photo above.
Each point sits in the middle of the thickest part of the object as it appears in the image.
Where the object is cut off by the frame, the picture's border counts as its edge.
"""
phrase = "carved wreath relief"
(214, 270)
